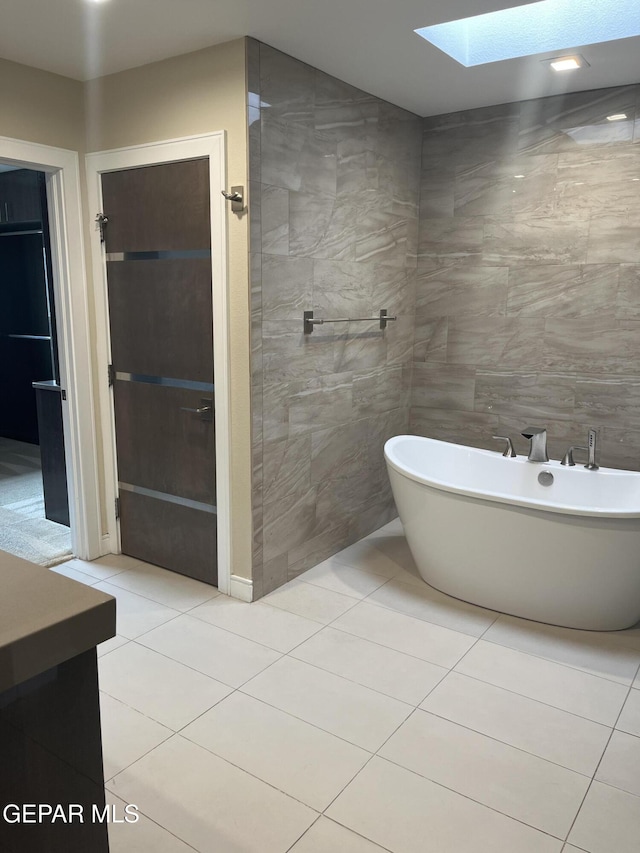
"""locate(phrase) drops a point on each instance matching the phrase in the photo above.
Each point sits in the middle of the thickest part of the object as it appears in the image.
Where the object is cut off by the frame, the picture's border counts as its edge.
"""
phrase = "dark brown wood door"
(158, 251)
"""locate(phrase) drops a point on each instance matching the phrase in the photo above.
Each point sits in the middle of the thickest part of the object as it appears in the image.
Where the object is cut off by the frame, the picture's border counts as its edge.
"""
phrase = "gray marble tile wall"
(334, 189)
(528, 289)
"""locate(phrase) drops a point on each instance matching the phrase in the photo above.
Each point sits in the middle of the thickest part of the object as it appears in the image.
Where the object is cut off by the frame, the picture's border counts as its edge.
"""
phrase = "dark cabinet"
(54, 475)
(20, 196)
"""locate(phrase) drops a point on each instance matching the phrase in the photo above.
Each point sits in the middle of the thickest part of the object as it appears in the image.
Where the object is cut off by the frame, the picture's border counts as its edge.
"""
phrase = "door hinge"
(117, 507)
(111, 374)
(101, 222)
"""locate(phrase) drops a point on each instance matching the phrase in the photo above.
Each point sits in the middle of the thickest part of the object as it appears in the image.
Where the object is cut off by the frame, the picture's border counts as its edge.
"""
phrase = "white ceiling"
(369, 43)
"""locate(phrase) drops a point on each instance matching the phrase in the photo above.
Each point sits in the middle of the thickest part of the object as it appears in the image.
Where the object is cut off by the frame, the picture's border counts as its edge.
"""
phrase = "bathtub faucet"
(538, 449)
(590, 450)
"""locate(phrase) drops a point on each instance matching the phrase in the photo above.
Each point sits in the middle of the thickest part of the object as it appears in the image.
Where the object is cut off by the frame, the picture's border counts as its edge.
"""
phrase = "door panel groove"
(160, 255)
(164, 496)
(169, 381)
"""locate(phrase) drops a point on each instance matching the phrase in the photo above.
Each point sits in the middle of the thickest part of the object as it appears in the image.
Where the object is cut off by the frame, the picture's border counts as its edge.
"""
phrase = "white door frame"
(212, 146)
(72, 318)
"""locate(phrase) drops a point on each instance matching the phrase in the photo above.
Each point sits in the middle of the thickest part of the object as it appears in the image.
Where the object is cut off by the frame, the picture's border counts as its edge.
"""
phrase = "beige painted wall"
(36, 106)
(186, 95)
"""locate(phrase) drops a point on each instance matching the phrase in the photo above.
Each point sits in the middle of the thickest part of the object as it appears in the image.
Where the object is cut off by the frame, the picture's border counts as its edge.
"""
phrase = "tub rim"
(501, 497)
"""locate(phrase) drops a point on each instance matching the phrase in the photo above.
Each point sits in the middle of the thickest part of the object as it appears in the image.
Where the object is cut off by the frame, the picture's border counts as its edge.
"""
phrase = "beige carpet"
(24, 530)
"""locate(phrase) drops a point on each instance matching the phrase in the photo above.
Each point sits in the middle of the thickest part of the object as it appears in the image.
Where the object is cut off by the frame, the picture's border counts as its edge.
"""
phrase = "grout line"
(568, 665)
(505, 743)
(151, 820)
(472, 799)
(375, 603)
(155, 600)
(195, 669)
(320, 627)
(248, 772)
(392, 648)
(533, 699)
(595, 772)
(300, 837)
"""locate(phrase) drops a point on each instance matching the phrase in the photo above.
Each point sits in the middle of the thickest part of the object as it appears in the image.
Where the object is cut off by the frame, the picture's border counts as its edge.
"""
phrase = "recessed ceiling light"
(617, 117)
(568, 64)
(518, 176)
(539, 27)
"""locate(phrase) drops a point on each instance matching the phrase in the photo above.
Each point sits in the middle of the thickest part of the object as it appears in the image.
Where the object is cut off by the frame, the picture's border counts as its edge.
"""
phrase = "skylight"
(535, 28)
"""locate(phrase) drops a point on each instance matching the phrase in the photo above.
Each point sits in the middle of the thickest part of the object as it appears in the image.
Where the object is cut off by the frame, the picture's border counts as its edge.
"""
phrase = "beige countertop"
(46, 618)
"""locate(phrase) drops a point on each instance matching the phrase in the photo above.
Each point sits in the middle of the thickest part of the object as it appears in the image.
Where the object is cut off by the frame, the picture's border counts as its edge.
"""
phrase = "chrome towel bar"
(310, 321)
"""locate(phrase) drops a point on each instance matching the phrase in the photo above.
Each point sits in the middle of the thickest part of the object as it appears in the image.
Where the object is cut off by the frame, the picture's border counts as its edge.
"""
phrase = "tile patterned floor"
(356, 710)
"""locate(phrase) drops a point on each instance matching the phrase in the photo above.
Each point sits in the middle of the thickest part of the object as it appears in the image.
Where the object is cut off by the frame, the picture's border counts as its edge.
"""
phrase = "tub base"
(573, 571)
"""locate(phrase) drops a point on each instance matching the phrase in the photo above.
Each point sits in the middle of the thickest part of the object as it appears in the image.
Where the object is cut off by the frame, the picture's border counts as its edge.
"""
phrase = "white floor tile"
(597, 653)
(210, 804)
(629, 720)
(338, 577)
(569, 689)
(399, 675)
(135, 615)
(405, 812)
(70, 570)
(397, 549)
(350, 711)
(411, 577)
(391, 529)
(433, 606)
(608, 822)
(532, 726)
(278, 629)
(620, 765)
(169, 588)
(325, 836)
(506, 779)
(295, 757)
(111, 645)
(126, 735)
(104, 567)
(365, 555)
(312, 602)
(424, 640)
(630, 636)
(144, 836)
(219, 654)
(160, 688)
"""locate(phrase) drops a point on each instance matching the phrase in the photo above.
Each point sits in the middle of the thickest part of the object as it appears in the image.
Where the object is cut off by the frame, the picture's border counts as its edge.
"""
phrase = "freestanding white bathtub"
(482, 528)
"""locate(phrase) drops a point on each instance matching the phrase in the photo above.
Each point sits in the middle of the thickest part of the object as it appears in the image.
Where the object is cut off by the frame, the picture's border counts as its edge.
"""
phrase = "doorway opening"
(34, 506)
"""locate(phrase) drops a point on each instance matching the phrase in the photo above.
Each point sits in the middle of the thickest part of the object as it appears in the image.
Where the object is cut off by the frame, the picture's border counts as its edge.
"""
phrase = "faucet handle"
(509, 452)
(567, 459)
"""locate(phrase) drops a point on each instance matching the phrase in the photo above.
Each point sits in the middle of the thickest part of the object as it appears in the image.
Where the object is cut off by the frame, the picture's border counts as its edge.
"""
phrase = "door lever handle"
(205, 410)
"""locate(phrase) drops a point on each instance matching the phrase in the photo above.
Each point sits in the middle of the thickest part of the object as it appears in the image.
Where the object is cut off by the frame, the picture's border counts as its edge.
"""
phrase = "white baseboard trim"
(105, 545)
(241, 588)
